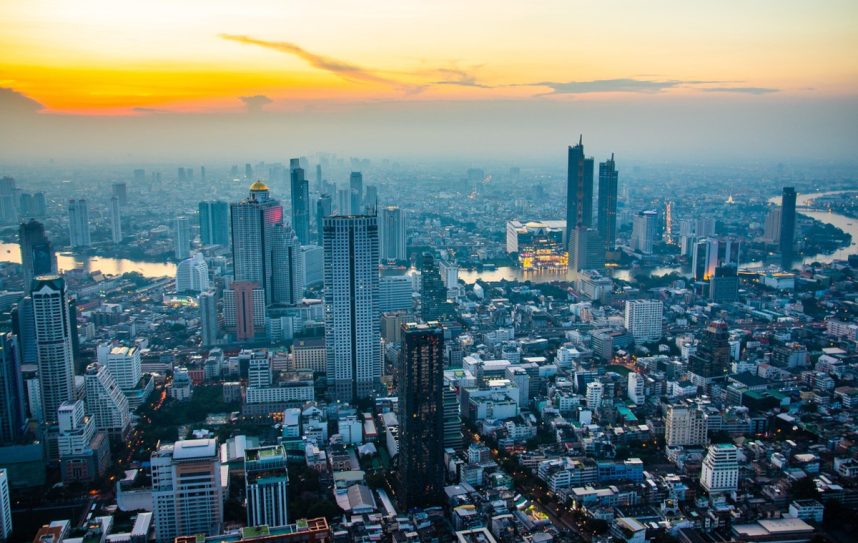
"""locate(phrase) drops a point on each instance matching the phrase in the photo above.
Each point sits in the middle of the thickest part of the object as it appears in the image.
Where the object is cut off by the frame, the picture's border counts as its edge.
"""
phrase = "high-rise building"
(187, 495)
(318, 177)
(684, 426)
(115, 220)
(125, 364)
(84, 452)
(607, 204)
(587, 249)
(395, 292)
(643, 319)
(287, 275)
(720, 473)
(192, 274)
(40, 206)
(787, 241)
(106, 402)
(356, 192)
(266, 484)
(244, 310)
(214, 223)
(635, 391)
(579, 189)
(420, 377)
(351, 306)
(724, 285)
(183, 238)
(5, 507)
(208, 318)
(323, 209)
(643, 231)
(54, 349)
(8, 201)
(24, 328)
(300, 201)
(453, 438)
(13, 413)
(595, 392)
(253, 220)
(707, 254)
(433, 294)
(773, 226)
(120, 192)
(711, 361)
(79, 234)
(344, 198)
(393, 234)
(37, 253)
(370, 200)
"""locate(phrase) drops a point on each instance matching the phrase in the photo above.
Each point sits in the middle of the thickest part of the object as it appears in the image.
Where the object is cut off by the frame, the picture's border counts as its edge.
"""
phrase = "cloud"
(741, 90)
(152, 111)
(340, 68)
(13, 102)
(455, 76)
(254, 104)
(609, 85)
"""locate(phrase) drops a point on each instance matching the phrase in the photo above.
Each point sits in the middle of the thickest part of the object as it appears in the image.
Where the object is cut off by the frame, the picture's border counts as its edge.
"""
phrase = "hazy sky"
(166, 78)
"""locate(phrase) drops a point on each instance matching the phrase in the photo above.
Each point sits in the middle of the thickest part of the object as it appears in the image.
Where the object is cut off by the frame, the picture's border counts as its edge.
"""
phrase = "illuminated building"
(539, 244)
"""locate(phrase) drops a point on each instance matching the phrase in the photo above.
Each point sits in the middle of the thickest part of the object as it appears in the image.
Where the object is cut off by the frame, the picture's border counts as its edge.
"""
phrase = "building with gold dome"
(538, 244)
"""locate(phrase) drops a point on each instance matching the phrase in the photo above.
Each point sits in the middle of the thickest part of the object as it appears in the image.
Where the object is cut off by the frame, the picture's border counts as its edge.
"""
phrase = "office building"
(772, 232)
(183, 238)
(587, 249)
(244, 310)
(13, 411)
(720, 473)
(635, 391)
(395, 292)
(209, 329)
(787, 241)
(643, 319)
(351, 306)
(356, 193)
(214, 223)
(253, 220)
(344, 198)
(433, 294)
(309, 354)
(5, 507)
(120, 192)
(708, 254)
(595, 392)
(711, 361)
(684, 426)
(54, 350)
(187, 491)
(115, 220)
(79, 234)
(579, 190)
(453, 437)
(643, 231)
(420, 376)
(84, 452)
(287, 273)
(125, 364)
(607, 203)
(724, 285)
(106, 402)
(300, 201)
(266, 483)
(192, 274)
(392, 228)
(8, 201)
(323, 209)
(37, 252)
(540, 245)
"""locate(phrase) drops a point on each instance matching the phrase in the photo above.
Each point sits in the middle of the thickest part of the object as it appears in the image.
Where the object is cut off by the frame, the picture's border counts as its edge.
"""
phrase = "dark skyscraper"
(300, 202)
(323, 209)
(579, 190)
(356, 188)
(421, 414)
(787, 226)
(433, 294)
(712, 359)
(12, 407)
(37, 253)
(607, 207)
(214, 223)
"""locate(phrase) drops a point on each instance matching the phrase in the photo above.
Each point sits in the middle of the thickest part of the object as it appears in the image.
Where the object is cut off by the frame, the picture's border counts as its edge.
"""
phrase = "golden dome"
(258, 186)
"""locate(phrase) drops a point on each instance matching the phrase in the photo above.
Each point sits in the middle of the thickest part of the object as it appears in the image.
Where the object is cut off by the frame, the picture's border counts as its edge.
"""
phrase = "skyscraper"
(420, 377)
(711, 362)
(214, 223)
(37, 252)
(643, 231)
(79, 235)
(720, 471)
(106, 402)
(607, 206)
(287, 277)
(115, 220)
(300, 201)
(393, 245)
(244, 309)
(370, 200)
(125, 365)
(120, 192)
(787, 244)
(356, 191)
(187, 495)
(13, 413)
(579, 189)
(183, 238)
(323, 209)
(351, 306)
(253, 220)
(8, 201)
(344, 197)
(643, 319)
(266, 484)
(587, 248)
(433, 294)
(53, 343)
(208, 318)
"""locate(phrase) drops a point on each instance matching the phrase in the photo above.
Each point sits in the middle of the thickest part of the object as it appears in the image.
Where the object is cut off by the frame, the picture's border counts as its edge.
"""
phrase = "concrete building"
(684, 426)
(106, 402)
(720, 471)
(643, 319)
(266, 484)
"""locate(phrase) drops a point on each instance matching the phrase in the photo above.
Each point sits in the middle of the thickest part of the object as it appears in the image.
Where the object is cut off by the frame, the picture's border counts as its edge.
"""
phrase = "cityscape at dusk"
(418, 272)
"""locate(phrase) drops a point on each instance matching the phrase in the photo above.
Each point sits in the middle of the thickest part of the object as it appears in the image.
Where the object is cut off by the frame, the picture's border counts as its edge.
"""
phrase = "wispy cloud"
(459, 77)
(608, 85)
(741, 90)
(254, 104)
(343, 69)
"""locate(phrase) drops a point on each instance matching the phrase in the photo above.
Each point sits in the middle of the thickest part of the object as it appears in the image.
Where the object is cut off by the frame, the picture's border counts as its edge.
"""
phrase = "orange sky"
(107, 57)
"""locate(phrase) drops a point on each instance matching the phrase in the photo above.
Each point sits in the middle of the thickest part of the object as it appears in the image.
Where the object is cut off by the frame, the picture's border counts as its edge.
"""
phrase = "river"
(11, 252)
